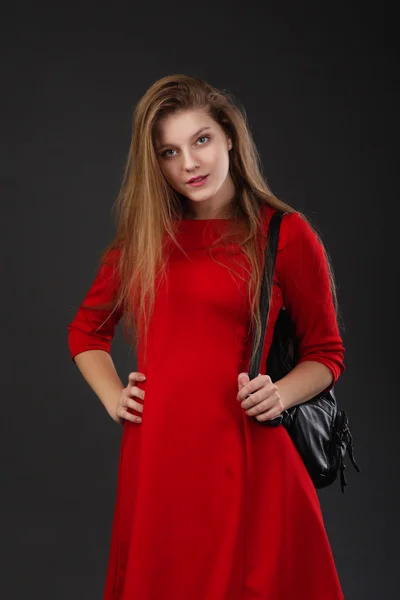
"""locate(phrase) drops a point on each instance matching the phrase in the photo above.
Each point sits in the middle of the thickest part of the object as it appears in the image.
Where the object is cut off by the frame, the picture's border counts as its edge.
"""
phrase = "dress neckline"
(202, 233)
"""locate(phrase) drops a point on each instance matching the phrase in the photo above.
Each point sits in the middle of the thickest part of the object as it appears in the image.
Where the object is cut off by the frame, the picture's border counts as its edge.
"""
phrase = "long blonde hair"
(147, 207)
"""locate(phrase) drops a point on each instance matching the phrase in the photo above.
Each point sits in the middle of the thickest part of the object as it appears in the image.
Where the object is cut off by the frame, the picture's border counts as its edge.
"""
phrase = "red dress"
(210, 503)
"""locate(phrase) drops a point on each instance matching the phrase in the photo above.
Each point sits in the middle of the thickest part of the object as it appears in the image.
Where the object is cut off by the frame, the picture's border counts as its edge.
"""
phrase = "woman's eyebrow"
(193, 136)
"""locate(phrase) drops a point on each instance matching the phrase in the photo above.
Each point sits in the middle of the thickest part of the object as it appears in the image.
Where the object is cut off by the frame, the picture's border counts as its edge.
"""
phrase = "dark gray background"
(320, 88)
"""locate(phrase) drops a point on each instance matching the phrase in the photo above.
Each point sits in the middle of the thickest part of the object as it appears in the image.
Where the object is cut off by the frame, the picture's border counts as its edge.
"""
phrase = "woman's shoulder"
(111, 254)
(109, 263)
(293, 225)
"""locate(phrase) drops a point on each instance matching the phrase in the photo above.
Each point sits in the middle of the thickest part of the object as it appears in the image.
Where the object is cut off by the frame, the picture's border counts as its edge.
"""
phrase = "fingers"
(261, 381)
(243, 378)
(125, 414)
(133, 391)
(126, 401)
(268, 404)
(273, 412)
(135, 376)
(266, 397)
(260, 397)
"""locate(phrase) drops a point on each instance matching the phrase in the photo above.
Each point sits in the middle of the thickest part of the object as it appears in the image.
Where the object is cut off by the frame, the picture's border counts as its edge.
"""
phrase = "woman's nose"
(189, 163)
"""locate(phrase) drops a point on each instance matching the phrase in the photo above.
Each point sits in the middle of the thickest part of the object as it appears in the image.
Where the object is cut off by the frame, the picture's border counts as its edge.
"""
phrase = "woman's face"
(191, 144)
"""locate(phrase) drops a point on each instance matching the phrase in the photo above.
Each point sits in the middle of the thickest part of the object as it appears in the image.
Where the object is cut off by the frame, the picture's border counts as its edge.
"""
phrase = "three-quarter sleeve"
(302, 272)
(93, 328)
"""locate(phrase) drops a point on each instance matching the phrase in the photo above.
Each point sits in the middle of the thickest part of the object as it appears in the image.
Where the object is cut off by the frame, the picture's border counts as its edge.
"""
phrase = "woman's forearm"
(303, 382)
(98, 369)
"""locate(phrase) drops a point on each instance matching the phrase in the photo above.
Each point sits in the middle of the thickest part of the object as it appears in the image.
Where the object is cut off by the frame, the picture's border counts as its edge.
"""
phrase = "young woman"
(212, 504)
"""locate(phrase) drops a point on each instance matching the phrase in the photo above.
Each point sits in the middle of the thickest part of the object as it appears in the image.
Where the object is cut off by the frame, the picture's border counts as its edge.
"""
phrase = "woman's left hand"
(260, 397)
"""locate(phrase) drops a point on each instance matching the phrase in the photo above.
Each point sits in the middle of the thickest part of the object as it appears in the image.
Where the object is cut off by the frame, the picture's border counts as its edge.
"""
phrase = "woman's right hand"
(125, 400)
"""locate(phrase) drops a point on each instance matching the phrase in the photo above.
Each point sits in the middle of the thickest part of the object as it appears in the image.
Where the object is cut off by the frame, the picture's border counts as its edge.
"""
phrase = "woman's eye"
(203, 137)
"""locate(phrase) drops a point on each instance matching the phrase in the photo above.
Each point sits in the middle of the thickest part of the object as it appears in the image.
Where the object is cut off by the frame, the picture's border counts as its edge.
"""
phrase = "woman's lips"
(199, 183)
